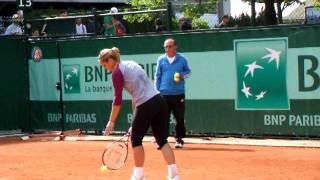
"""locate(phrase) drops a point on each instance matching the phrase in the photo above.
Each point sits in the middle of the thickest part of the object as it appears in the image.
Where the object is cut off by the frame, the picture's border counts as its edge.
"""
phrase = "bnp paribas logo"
(71, 78)
(261, 74)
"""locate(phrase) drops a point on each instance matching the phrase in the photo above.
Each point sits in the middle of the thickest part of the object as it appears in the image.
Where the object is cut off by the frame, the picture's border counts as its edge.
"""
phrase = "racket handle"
(129, 131)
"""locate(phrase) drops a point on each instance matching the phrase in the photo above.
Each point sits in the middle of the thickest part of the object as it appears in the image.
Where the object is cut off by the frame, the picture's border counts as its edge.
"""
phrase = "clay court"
(82, 160)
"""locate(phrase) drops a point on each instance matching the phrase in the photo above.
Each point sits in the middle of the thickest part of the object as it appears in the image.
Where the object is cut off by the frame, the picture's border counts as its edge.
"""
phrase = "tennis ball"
(176, 77)
(103, 169)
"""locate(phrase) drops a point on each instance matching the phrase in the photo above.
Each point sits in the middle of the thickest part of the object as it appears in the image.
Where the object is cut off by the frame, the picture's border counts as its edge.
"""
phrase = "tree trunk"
(270, 17)
(279, 10)
(253, 12)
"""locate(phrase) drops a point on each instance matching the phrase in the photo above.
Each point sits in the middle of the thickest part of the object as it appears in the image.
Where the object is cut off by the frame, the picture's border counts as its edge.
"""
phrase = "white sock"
(138, 172)
(172, 170)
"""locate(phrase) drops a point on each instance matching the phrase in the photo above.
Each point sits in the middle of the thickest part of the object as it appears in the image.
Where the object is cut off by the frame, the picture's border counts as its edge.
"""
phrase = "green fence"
(254, 81)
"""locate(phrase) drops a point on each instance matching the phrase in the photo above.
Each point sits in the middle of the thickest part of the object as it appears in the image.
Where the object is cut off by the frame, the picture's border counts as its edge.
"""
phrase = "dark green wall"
(14, 84)
(203, 116)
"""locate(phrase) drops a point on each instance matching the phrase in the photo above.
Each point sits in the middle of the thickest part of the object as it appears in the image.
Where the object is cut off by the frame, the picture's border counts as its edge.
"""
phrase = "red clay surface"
(81, 160)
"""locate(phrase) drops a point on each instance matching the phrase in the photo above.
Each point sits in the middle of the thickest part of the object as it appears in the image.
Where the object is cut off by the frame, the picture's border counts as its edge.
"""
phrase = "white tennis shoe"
(134, 178)
(176, 177)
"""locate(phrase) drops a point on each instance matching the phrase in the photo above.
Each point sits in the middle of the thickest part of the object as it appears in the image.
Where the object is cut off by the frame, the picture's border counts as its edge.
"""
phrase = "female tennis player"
(149, 109)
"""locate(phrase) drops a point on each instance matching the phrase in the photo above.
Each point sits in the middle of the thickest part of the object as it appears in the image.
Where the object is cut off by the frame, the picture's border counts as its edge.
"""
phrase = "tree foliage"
(192, 11)
(145, 5)
(195, 10)
(317, 3)
(198, 23)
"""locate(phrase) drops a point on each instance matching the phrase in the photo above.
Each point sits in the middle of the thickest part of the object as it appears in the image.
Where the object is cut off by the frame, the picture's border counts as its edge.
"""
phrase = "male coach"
(172, 69)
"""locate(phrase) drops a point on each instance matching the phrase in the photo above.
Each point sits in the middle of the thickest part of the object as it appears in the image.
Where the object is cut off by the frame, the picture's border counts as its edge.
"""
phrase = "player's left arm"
(186, 70)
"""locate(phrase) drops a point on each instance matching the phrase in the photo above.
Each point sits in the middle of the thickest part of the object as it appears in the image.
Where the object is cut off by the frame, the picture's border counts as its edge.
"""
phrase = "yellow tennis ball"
(103, 169)
(177, 77)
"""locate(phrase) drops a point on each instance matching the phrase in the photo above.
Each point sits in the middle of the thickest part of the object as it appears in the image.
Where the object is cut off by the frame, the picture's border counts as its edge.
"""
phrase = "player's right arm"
(112, 119)
(158, 75)
(118, 84)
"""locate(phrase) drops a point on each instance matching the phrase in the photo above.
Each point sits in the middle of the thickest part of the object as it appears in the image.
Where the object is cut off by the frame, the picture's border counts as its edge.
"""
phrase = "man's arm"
(158, 75)
(8, 30)
(84, 29)
(186, 69)
(19, 31)
(108, 22)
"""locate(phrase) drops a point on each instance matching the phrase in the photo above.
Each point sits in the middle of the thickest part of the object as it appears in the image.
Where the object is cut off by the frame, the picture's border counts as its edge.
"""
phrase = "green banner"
(261, 70)
(214, 76)
(259, 82)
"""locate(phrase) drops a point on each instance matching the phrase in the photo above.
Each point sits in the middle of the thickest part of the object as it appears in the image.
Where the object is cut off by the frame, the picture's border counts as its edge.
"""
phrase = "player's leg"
(160, 123)
(178, 110)
(140, 125)
(169, 104)
(160, 129)
(138, 156)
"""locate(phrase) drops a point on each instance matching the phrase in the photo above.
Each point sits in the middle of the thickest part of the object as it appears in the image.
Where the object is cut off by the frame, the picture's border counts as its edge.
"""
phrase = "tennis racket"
(115, 154)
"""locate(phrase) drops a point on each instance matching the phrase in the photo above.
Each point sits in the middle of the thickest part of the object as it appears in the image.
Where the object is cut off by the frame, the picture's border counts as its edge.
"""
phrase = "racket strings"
(115, 156)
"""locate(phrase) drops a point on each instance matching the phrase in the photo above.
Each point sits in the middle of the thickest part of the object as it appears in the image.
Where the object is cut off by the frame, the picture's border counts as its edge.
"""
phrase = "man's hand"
(109, 26)
(109, 128)
(177, 77)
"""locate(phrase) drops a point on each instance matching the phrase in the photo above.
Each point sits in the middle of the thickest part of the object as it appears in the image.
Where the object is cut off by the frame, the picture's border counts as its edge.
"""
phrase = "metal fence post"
(26, 54)
(59, 87)
(169, 13)
(95, 28)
